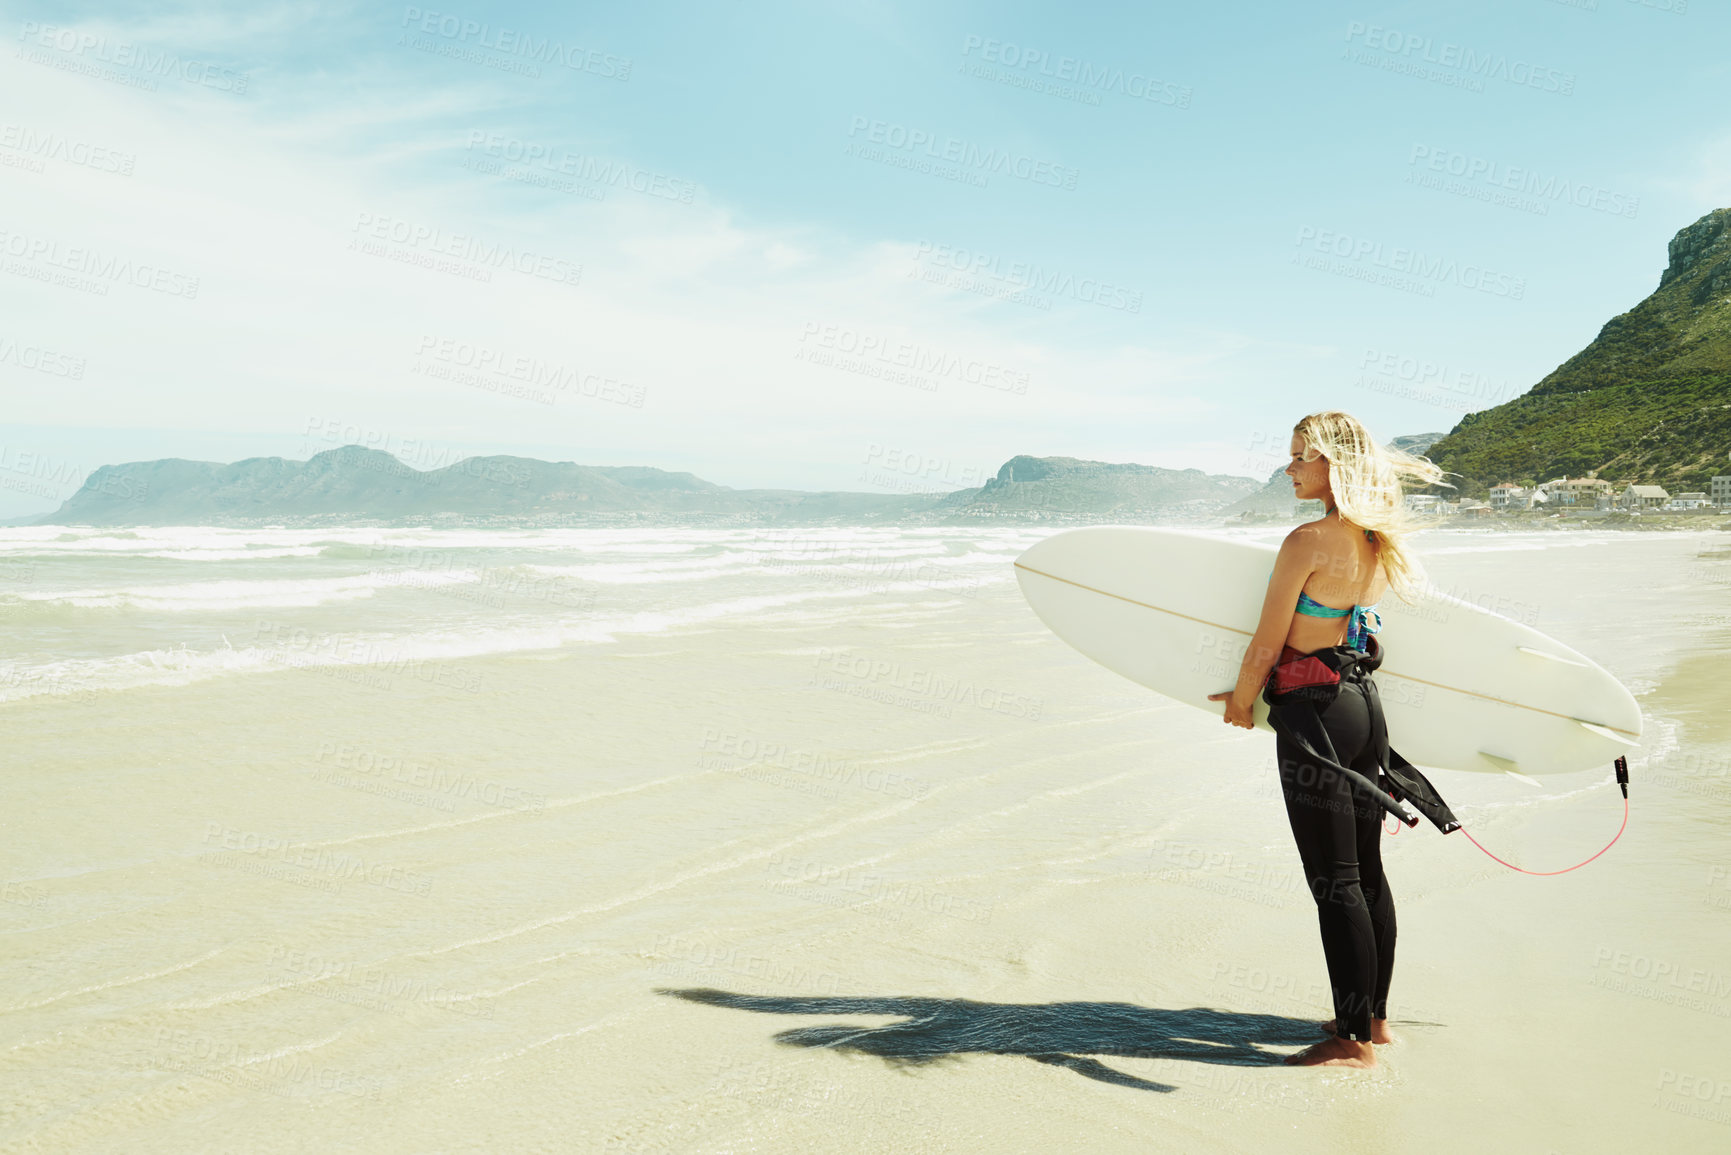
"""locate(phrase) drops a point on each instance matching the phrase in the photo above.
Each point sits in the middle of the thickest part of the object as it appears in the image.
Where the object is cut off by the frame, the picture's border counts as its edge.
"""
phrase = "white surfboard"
(1462, 688)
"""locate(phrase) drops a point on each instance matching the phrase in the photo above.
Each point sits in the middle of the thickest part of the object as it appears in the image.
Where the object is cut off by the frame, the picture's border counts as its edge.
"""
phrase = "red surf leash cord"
(1622, 783)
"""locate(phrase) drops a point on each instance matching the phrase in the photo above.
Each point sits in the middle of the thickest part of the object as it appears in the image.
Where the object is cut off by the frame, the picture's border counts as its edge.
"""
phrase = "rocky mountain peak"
(1708, 239)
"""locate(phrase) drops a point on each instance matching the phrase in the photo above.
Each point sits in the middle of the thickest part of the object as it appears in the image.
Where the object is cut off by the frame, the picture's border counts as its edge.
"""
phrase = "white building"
(1580, 491)
(1687, 501)
(1643, 497)
(1719, 490)
(1425, 503)
(1510, 496)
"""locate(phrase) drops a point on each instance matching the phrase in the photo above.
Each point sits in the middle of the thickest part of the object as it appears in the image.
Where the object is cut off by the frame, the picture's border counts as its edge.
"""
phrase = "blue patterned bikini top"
(1357, 628)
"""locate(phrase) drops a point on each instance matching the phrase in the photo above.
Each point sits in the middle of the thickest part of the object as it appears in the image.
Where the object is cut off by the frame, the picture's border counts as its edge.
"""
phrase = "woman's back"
(1346, 574)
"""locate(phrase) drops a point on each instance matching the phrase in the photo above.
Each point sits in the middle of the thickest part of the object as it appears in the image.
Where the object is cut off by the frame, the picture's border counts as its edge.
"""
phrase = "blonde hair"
(1365, 479)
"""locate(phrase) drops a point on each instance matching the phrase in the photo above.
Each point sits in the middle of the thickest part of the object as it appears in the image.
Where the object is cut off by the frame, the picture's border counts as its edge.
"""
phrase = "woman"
(1314, 636)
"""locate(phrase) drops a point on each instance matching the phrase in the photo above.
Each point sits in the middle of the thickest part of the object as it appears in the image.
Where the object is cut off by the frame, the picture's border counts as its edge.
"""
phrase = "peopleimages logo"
(1089, 78)
(410, 235)
(1411, 263)
(516, 42)
(1411, 49)
(563, 162)
(41, 360)
(902, 139)
(95, 263)
(530, 370)
(88, 46)
(1519, 179)
(54, 146)
(819, 344)
(1026, 275)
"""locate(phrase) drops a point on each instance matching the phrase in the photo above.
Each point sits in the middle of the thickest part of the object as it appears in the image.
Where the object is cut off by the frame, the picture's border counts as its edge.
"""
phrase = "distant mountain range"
(358, 485)
(1649, 400)
(354, 485)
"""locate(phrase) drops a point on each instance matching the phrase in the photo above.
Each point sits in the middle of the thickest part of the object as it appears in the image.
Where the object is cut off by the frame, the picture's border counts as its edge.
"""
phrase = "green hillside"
(1649, 400)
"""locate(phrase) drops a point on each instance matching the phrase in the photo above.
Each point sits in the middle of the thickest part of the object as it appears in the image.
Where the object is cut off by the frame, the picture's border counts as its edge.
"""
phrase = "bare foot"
(1379, 1032)
(1335, 1052)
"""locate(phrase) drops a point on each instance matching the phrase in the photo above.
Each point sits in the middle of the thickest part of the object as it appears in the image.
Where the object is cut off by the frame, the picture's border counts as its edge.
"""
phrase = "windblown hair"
(1366, 481)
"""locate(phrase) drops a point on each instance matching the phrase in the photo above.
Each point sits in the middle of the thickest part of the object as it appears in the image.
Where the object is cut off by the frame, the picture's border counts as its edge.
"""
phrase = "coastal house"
(1643, 497)
(1508, 495)
(1687, 501)
(1475, 509)
(1577, 491)
(1425, 503)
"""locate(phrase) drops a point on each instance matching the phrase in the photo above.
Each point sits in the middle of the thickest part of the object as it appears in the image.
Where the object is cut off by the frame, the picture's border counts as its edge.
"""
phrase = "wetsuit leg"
(1338, 837)
(1378, 899)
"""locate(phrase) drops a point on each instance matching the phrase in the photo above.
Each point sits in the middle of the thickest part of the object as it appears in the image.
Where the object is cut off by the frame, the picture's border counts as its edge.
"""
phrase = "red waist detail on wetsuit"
(1295, 669)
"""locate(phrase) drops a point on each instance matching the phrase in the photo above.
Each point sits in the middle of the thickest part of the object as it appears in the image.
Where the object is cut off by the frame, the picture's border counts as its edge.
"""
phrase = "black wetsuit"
(1326, 731)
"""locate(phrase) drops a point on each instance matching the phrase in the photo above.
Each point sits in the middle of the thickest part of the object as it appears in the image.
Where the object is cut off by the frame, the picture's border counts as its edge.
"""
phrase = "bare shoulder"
(1310, 535)
(1309, 530)
(1304, 550)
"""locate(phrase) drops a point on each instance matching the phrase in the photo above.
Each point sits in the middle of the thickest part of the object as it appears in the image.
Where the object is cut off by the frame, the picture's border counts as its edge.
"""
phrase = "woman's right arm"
(1293, 566)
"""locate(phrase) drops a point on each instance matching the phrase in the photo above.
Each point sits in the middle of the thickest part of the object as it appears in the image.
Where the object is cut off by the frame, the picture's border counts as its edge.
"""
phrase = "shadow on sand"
(1061, 1034)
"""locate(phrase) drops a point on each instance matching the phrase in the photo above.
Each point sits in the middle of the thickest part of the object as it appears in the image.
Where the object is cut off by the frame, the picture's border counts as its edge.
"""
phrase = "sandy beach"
(895, 871)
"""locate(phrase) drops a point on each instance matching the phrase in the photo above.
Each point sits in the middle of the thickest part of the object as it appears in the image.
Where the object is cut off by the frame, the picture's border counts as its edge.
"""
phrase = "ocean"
(87, 611)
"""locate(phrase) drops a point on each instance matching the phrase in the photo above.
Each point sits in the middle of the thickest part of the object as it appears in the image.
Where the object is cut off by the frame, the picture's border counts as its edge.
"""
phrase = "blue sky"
(853, 246)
